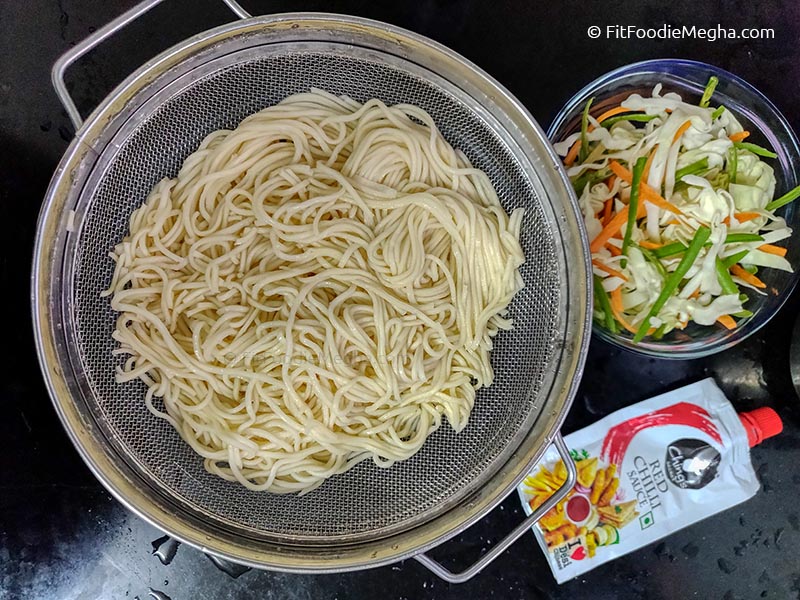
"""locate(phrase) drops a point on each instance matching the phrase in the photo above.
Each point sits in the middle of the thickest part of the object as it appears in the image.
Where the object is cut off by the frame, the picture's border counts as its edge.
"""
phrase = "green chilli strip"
(734, 258)
(675, 278)
(725, 279)
(695, 167)
(733, 163)
(676, 248)
(610, 121)
(742, 238)
(633, 203)
(709, 91)
(669, 250)
(755, 149)
(787, 198)
(603, 300)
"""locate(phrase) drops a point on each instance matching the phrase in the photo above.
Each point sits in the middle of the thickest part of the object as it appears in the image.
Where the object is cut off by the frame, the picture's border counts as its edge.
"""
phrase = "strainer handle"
(70, 56)
(436, 567)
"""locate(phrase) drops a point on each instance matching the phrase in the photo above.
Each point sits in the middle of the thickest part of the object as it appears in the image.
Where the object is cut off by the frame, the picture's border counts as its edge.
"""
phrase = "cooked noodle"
(317, 287)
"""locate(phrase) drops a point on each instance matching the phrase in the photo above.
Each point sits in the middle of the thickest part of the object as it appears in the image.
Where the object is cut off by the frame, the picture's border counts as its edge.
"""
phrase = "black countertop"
(63, 536)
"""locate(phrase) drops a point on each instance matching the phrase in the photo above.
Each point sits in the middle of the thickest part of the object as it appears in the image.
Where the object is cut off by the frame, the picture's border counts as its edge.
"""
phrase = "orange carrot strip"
(617, 310)
(619, 314)
(695, 294)
(770, 249)
(572, 154)
(607, 210)
(743, 217)
(738, 137)
(609, 270)
(649, 162)
(649, 193)
(747, 277)
(614, 225)
(611, 112)
(727, 322)
(614, 250)
(650, 245)
(681, 130)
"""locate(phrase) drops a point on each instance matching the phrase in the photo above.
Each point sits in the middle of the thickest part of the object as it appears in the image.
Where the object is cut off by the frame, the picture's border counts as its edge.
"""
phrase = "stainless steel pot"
(368, 516)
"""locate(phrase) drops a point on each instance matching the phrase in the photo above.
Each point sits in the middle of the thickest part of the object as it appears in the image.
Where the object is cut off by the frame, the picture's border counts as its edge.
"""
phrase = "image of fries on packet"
(591, 514)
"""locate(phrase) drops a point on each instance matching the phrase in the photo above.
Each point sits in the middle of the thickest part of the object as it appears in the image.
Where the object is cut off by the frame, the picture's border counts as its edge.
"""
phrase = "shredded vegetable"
(680, 211)
(633, 202)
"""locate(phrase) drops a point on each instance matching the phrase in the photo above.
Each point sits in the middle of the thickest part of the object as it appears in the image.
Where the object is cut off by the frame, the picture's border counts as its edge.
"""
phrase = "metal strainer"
(143, 131)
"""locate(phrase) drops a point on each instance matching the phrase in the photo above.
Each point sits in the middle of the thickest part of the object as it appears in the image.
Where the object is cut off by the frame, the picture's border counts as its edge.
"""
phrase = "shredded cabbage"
(696, 167)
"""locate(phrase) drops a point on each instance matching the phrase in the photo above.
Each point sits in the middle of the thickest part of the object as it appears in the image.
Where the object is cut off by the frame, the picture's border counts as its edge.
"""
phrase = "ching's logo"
(691, 464)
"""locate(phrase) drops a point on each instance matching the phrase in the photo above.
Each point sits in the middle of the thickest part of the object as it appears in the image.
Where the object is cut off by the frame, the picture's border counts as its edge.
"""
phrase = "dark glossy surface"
(62, 536)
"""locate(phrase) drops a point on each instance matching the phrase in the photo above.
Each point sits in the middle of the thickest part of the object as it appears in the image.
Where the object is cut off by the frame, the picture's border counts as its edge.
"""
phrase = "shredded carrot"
(573, 151)
(742, 217)
(619, 314)
(572, 154)
(611, 112)
(674, 222)
(650, 245)
(612, 179)
(727, 322)
(649, 162)
(614, 225)
(770, 249)
(646, 191)
(747, 277)
(608, 208)
(695, 294)
(681, 130)
(609, 230)
(609, 270)
(617, 310)
(614, 250)
(738, 137)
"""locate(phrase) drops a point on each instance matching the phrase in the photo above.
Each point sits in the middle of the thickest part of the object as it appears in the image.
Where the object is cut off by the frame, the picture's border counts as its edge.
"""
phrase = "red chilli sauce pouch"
(644, 472)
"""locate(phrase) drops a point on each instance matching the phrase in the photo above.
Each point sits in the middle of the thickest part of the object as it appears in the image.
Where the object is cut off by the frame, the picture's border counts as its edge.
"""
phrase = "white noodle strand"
(317, 287)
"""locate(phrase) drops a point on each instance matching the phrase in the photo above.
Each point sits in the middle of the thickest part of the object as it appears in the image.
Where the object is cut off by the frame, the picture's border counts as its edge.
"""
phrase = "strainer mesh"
(367, 501)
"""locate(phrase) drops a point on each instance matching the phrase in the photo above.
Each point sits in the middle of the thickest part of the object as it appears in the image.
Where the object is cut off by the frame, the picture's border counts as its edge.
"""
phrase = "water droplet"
(226, 566)
(158, 595)
(165, 549)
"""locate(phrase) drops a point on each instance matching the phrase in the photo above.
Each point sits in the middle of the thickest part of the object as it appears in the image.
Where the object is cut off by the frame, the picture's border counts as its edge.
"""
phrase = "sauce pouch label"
(643, 472)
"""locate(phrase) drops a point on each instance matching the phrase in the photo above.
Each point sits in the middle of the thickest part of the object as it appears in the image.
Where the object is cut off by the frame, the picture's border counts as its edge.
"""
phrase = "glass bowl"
(768, 128)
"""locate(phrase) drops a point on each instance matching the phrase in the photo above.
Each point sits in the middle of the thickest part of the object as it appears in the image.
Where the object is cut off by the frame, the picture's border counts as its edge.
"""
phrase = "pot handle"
(70, 56)
(437, 569)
